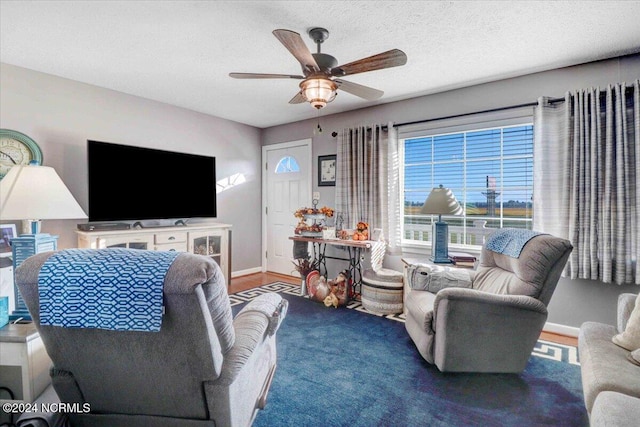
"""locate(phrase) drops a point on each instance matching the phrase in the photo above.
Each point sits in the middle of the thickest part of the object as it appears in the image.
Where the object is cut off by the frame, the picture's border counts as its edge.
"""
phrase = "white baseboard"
(556, 328)
(246, 272)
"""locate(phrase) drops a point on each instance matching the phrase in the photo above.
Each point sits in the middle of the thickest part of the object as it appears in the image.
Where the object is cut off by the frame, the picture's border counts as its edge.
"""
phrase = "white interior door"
(287, 188)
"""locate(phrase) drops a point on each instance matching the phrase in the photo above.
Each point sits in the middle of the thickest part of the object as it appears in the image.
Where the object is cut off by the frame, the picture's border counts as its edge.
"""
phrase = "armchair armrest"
(626, 302)
(477, 331)
(469, 300)
(260, 318)
(272, 306)
(44, 419)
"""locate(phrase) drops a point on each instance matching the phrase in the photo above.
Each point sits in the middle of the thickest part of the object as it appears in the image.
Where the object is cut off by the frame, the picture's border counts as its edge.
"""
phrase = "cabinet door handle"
(172, 238)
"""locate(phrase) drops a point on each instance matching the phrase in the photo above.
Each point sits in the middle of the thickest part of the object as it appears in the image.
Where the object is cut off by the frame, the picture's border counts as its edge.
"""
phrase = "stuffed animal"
(339, 288)
(331, 300)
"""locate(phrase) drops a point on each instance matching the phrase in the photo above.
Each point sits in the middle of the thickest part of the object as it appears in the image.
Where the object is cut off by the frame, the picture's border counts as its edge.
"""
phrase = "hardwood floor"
(254, 280)
(559, 339)
(243, 283)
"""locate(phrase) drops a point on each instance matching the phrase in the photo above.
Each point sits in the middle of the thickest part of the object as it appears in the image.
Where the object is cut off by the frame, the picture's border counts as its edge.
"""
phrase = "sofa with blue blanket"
(197, 366)
(492, 323)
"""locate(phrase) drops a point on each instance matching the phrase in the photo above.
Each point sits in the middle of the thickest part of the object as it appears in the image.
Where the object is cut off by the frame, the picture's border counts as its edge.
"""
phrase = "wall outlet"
(316, 195)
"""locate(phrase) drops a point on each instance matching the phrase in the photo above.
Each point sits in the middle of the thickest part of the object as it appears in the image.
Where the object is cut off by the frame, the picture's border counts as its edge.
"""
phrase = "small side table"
(24, 362)
(354, 249)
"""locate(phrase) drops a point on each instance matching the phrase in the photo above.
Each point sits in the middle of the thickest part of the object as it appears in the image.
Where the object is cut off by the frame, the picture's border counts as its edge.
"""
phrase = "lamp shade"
(318, 91)
(36, 192)
(441, 201)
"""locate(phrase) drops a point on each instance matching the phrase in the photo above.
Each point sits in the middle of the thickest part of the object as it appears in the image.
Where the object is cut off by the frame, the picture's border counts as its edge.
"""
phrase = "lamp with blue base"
(34, 192)
(441, 201)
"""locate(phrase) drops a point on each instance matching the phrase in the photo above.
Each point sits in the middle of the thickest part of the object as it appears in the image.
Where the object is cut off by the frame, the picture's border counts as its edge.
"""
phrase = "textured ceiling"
(180, 52)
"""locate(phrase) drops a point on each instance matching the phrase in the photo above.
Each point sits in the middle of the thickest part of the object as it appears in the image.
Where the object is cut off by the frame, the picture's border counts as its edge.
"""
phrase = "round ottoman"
(382, 291)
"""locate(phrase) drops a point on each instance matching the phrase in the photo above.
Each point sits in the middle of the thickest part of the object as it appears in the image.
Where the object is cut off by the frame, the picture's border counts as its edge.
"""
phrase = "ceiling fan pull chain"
(318, 129)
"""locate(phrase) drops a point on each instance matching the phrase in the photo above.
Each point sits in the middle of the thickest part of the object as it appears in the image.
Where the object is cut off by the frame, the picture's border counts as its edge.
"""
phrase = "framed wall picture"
(327, 170)
(7, 232)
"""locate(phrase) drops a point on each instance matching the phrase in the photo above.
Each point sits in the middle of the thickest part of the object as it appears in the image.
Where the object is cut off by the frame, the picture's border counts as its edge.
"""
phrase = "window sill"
(413, 248)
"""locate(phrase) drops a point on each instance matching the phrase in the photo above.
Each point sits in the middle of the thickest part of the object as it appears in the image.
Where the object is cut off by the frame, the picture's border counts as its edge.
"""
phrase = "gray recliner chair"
(203, 368)
(493, 325)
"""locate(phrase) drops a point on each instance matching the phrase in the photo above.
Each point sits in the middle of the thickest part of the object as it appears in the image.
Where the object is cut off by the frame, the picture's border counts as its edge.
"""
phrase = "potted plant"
(304, 266)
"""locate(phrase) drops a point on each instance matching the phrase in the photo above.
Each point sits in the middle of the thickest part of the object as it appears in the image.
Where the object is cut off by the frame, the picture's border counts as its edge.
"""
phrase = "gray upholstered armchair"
(202, 368)
(493, 325)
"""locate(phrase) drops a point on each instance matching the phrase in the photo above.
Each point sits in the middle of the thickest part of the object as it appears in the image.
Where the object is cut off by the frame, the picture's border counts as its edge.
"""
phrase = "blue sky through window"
(463, 161)
(287, 164)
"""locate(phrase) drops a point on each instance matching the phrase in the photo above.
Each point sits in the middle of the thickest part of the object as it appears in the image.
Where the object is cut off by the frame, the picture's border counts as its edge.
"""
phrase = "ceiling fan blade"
(366, 92)
(263, 76)
(388, 59)
(298, 99)
(294, 43)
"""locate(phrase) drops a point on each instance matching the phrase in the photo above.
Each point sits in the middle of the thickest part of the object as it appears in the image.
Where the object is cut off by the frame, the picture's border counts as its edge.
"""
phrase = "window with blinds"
(490, 171)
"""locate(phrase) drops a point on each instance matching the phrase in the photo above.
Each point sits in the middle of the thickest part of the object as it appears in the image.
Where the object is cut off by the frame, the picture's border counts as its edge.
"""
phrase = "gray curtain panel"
(367, 180)
(587, 179)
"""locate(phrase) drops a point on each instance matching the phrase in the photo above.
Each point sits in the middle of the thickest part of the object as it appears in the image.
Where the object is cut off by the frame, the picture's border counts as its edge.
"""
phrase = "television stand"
(212, 240)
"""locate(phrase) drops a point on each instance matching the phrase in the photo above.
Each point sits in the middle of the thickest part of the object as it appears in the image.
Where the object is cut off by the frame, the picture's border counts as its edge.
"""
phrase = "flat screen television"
(129, 183)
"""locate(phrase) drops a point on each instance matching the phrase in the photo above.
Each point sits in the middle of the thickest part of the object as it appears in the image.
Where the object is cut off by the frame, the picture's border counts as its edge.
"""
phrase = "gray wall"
(60, 115)
(574, 301)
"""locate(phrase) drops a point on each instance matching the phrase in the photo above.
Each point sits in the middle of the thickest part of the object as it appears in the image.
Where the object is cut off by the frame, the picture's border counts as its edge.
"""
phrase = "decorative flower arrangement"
(317, 226)
(326, 211)
(303, 226)
(304, 266)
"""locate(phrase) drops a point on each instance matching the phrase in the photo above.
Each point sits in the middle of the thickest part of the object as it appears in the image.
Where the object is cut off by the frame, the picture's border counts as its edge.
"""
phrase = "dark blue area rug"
(343, 367)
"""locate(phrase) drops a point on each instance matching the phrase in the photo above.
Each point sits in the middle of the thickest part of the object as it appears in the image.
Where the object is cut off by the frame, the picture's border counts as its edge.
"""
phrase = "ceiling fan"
(322, 75)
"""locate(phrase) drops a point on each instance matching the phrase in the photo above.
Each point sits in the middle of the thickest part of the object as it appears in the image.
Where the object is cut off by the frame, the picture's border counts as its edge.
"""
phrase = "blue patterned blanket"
(510, 241)
(117, 289)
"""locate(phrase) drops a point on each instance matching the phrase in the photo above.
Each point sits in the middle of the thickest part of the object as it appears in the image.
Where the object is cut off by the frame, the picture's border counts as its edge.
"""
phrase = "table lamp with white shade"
(441, 201)
(31, 193)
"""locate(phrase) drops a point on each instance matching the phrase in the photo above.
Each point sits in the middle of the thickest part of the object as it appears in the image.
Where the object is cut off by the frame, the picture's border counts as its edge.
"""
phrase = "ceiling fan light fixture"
(318, 91)
(318, 86)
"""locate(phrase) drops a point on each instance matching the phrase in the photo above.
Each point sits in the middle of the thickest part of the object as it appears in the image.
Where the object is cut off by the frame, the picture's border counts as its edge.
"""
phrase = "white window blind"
(490, 171)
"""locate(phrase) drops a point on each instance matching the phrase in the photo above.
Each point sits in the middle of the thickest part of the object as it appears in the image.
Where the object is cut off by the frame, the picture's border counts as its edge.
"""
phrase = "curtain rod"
(491, 110)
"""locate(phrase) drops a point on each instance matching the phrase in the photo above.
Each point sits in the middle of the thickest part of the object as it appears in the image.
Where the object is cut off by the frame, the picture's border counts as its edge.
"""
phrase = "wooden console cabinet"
(213, 240)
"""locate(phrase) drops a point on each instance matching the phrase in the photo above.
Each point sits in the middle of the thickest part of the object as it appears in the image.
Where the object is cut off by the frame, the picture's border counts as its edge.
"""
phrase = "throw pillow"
(634, 356)
(630, 338)
(434, 278)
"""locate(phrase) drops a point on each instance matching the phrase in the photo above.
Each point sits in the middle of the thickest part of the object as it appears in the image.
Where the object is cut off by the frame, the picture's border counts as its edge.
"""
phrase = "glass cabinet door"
(212, 244)
(130, 242)
(138, 245)
(209, 245)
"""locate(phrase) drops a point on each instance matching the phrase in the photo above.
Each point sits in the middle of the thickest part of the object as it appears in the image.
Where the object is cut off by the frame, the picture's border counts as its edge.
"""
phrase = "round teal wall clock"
(17, 149)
